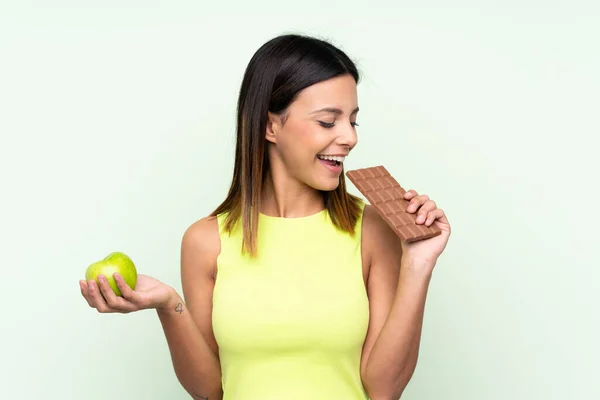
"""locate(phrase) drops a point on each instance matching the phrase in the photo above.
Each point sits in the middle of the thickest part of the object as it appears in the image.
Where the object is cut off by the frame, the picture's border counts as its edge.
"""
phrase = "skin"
(292, 190)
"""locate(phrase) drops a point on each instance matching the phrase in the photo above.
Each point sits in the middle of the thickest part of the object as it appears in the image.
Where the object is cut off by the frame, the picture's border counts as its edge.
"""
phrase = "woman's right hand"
(148, 293)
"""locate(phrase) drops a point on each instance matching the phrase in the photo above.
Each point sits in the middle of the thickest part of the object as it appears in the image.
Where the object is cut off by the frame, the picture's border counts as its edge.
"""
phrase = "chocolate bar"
(387, 196)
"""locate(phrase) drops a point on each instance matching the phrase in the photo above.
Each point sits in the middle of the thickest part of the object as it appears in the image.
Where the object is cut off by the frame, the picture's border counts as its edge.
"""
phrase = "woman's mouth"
(333, 163)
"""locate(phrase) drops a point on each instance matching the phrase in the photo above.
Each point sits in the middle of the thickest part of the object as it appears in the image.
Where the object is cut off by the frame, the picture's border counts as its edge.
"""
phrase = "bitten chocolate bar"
(387, 196)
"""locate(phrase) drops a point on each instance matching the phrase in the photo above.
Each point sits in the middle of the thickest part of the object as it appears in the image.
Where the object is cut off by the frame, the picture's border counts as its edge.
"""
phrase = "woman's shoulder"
(372, 218)
(202, 243)
(377, 234)
(204, 232)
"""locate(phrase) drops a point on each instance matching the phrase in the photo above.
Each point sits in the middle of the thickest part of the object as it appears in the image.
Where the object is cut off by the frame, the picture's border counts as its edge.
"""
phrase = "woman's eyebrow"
(334, 110)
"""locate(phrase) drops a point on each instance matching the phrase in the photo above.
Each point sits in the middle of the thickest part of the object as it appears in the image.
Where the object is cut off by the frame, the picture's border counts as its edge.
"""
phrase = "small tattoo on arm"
(179, 308)
(197, 396)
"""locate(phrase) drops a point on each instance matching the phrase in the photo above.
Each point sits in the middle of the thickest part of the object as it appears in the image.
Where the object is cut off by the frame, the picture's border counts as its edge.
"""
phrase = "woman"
(293, 288)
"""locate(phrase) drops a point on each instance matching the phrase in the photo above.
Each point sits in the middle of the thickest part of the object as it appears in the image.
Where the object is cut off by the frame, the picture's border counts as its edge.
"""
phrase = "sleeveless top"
(291, 323)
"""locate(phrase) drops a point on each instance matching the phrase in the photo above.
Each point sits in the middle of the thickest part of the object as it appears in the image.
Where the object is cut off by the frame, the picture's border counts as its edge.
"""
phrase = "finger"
(98, 301)
(416, 202)
(437, 214)
(84, 292)
(409, 194)
(424, 211)
(112, 300)
(126, 291)
(138, 300)
(443, 218)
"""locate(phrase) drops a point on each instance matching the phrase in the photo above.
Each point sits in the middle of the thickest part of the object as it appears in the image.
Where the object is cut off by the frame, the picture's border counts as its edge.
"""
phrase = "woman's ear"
(273, 127)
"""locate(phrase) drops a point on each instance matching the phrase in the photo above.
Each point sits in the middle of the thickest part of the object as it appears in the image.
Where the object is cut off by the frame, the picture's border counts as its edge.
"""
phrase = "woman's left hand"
(426, 251)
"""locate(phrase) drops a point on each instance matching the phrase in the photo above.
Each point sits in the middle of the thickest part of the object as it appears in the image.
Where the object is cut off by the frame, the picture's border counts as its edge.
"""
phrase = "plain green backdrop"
(117, 132)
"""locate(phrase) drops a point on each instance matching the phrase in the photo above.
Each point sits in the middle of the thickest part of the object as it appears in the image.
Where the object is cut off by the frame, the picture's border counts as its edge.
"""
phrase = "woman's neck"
(287, 198)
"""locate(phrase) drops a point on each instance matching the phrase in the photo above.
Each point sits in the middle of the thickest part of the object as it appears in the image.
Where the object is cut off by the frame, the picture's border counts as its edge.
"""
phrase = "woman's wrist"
(173, 303)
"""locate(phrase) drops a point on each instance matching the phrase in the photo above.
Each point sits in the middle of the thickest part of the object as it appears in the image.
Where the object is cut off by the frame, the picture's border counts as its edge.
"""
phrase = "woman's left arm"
(398, 282)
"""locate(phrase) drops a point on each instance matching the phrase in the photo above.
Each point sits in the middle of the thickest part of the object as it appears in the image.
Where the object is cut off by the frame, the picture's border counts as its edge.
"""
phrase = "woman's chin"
(327, 185)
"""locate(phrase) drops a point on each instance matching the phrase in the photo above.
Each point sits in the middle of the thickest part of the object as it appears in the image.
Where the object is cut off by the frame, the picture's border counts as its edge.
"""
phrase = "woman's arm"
(396, 300)
(188, 324)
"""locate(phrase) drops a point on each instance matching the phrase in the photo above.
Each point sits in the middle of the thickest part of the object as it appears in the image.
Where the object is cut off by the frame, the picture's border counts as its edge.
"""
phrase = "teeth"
(331, 158)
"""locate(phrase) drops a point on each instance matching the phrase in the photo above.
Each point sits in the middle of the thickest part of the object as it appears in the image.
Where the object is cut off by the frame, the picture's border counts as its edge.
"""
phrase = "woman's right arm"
(187, 322)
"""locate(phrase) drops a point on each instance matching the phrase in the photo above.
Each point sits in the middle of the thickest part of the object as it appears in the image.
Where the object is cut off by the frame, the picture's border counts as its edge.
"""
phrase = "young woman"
(293, 288)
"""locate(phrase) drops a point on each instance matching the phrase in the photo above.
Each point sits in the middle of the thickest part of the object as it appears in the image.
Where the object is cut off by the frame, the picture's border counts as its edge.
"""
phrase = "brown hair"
(277, 72)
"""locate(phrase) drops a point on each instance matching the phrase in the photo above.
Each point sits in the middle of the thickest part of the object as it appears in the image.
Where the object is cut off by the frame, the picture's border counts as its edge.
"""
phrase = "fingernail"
(420, 218)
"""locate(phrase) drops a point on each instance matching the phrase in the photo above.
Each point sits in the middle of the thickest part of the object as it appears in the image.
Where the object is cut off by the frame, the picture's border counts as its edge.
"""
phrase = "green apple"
(114, 262)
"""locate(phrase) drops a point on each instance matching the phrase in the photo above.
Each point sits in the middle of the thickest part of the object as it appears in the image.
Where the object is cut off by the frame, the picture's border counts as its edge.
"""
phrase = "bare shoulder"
(378, 237)
(201, 245)
(200, 248)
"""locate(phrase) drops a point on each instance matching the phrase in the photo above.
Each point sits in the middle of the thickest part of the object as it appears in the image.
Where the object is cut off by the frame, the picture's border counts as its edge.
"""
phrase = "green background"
(117, 132)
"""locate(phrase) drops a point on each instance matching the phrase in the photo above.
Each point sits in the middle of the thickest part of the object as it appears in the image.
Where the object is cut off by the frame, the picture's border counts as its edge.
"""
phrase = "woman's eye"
(332, 124)
(326, 124)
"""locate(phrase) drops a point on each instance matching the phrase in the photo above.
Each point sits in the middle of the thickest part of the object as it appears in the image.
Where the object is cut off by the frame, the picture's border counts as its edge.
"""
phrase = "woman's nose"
(348, 137)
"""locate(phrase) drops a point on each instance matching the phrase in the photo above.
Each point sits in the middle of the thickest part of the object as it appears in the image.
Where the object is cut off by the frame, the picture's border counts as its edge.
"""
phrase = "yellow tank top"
(291, 323)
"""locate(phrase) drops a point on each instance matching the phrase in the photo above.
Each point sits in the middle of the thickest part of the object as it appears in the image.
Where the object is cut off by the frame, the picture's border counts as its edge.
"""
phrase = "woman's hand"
(148, 293)
(426, 251)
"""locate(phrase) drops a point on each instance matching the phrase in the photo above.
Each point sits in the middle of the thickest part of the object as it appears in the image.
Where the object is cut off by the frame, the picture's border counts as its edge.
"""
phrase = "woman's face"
(318, 132)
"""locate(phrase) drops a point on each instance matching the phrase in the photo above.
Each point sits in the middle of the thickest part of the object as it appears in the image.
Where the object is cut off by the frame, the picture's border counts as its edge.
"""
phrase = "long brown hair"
(277, 72)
